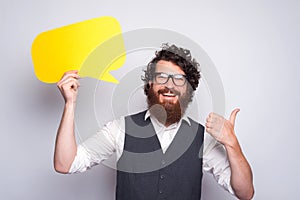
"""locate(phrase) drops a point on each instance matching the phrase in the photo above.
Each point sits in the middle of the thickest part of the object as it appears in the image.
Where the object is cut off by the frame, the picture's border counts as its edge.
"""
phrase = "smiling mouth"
(169, 95)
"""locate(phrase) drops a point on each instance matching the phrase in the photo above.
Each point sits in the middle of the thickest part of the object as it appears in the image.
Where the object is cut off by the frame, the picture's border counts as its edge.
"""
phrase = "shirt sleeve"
(215, 161)
(98, 147)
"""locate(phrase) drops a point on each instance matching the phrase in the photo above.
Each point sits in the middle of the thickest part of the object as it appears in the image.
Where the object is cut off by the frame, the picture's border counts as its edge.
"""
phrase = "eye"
(162, 75)
(179, 77)
(161, 78)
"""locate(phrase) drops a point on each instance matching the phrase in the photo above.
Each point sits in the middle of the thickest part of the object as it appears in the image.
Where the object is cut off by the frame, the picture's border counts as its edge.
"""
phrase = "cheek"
(182, 90)
(156, 87)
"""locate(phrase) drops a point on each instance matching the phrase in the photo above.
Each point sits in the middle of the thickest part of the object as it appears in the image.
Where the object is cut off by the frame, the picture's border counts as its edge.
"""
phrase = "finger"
(209, 119)
(68, 76)
(70, 86)
(215, 126)
(208, 125)
(233, 116)
(74, 75)
(208, 130)
(67, 80)
(69, 83)
(71, 72)
(215, 134)
(210, 116)
(214, 118)
(214, 115)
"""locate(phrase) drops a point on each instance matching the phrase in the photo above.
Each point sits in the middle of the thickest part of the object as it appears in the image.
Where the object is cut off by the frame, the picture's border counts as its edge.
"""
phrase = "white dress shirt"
(110, 140)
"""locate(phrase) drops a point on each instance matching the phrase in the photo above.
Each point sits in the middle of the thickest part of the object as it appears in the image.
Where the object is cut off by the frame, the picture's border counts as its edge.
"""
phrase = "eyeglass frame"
(170, 76)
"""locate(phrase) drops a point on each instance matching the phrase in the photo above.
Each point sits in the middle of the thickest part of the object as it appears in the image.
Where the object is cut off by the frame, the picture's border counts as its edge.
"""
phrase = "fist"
(68, 86)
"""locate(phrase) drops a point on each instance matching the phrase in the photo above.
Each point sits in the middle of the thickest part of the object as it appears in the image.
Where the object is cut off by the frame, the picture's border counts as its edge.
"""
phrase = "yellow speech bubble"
(93, 47)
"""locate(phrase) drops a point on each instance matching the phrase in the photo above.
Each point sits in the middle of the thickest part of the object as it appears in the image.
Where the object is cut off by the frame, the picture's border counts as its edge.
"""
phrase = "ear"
(147, 87)
(150, 83)
(189, 87)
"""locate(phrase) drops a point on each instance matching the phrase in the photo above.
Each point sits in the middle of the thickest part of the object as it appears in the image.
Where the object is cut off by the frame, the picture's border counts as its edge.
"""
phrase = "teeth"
(169, 94)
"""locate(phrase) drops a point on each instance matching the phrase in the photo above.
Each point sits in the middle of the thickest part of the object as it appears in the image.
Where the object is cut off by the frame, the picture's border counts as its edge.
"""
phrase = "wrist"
(70, 105)
(234, 150)
(232, 144)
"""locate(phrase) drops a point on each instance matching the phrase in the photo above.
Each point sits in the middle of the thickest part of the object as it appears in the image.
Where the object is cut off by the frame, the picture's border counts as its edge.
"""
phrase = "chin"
(169, 101)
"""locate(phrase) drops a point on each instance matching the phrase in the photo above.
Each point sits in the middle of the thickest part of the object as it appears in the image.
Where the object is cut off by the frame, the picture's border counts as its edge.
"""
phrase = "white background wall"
(253, 44)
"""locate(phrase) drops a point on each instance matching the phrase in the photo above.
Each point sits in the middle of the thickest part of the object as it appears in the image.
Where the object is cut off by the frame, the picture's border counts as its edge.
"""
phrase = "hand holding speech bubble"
(93, 47)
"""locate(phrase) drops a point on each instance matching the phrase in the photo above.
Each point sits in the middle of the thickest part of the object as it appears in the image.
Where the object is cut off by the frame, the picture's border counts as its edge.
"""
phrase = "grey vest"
(146, 173)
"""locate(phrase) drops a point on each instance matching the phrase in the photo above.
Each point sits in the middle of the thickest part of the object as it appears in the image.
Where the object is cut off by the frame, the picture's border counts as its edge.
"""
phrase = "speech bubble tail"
(109, 78)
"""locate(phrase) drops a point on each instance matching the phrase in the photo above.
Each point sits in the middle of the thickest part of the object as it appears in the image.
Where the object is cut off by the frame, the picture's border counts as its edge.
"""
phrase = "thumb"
(233, 116)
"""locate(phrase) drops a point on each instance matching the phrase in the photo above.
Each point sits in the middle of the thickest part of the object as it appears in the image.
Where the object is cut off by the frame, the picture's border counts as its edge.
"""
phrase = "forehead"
(168, 67)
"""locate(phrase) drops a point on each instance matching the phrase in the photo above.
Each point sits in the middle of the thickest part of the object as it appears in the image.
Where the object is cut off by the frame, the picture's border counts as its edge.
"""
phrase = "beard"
(167, 112)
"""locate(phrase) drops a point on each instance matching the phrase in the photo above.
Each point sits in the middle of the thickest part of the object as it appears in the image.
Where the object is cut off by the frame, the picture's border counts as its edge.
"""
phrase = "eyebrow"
(169, 73)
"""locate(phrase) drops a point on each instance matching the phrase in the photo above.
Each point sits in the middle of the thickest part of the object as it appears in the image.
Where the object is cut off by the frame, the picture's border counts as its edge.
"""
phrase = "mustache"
(167, 90)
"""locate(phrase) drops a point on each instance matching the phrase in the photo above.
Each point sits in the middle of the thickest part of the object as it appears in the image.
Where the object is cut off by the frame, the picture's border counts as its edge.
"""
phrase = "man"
(159, 151)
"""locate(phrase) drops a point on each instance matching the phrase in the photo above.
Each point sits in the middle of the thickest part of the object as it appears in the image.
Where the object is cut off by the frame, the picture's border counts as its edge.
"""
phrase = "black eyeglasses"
(163, 78)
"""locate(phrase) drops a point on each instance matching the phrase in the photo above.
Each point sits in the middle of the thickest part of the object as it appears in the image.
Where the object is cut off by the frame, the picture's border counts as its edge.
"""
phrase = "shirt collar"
(184, 117)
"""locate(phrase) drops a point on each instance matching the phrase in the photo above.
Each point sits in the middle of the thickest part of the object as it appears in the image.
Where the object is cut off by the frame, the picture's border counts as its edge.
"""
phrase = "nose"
(169, 83)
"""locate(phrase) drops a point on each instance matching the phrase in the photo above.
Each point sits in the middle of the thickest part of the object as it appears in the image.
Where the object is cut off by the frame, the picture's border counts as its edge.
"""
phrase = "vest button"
(162, 176)
(160, 191)
(163, 162)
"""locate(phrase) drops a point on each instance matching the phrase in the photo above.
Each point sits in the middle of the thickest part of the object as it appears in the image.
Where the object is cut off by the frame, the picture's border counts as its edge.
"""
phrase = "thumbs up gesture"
(222, 129)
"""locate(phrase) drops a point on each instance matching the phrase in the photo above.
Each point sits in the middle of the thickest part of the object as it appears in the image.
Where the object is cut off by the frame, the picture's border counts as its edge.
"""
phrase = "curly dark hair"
(179, 56)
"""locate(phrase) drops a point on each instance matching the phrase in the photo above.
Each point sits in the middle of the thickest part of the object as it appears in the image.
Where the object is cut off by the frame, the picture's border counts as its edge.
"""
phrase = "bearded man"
(160, 152)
